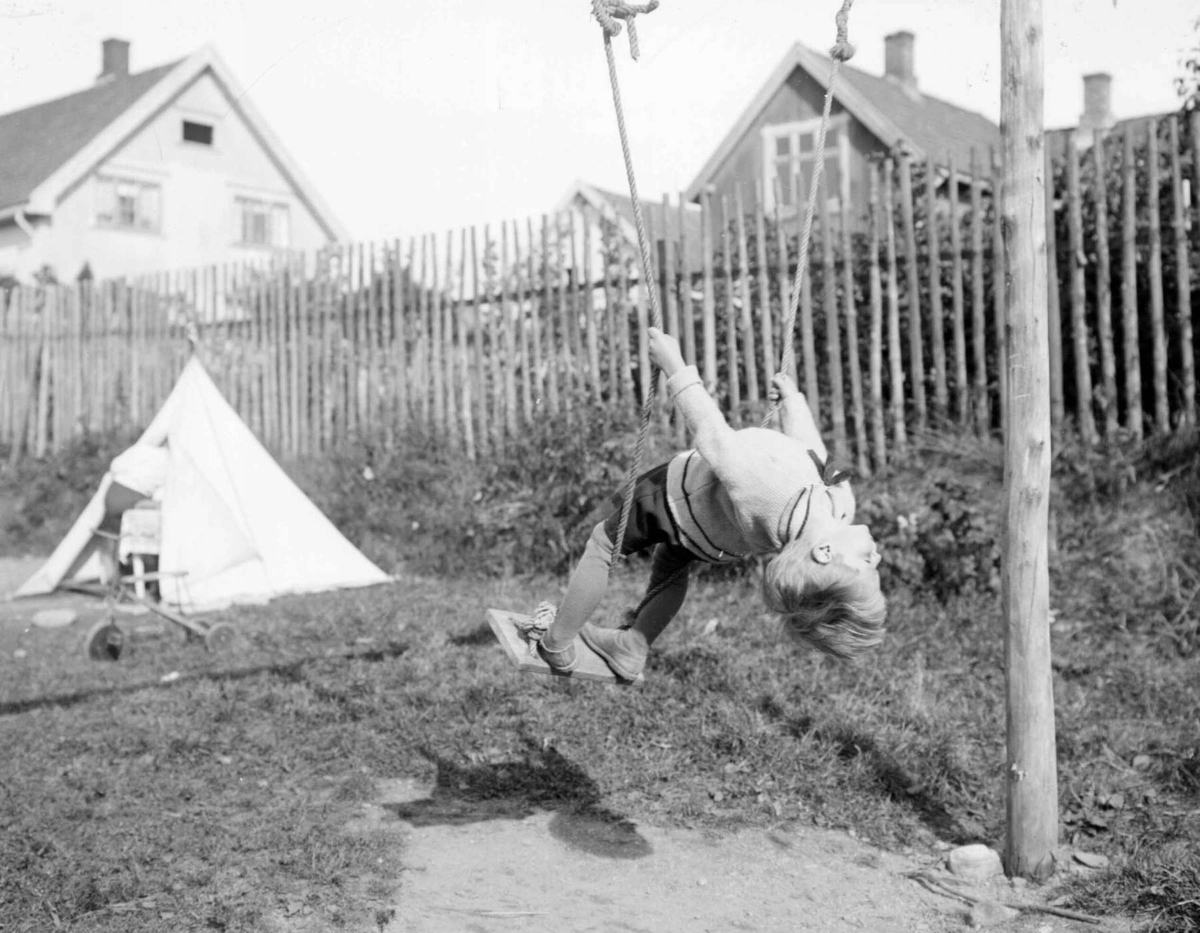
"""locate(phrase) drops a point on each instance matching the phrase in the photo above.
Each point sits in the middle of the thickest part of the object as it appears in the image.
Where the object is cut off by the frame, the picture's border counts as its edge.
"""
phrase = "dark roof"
(939, 128)
(652, 216)
(38, 140)
(1056, 139)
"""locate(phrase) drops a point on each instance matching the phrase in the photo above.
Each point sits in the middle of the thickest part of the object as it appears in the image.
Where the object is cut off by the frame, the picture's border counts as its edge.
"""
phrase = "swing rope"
(607, 13)
(842, 51)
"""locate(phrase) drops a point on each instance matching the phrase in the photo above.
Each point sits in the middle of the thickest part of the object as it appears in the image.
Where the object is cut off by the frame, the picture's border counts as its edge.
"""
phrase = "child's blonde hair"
(830, 607)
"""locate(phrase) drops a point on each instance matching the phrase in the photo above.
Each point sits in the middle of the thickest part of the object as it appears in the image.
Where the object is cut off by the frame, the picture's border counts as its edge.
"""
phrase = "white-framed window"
(264, 223)
(790, 150)
(129, 204)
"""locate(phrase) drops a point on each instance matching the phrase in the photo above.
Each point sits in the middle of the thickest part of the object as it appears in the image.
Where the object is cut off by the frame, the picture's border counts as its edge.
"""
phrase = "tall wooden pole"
(1032, 796)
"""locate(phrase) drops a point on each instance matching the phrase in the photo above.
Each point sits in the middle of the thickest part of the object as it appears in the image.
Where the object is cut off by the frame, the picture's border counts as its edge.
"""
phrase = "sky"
(414, 116)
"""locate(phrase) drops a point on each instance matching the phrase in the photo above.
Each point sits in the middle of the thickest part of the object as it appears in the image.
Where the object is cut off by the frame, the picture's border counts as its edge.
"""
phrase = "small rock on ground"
(974, 862)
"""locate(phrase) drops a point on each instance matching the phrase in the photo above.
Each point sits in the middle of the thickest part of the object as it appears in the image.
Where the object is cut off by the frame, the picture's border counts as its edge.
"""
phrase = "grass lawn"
(178, 789)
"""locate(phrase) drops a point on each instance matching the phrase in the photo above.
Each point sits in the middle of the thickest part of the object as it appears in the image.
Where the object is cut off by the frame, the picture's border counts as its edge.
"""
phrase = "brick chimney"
(1097, 106)
(898, 60)
(114, 59)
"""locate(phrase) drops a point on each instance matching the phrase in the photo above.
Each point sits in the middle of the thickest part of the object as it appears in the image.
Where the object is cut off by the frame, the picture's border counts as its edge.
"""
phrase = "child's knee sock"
(584, 592)
(654, 614)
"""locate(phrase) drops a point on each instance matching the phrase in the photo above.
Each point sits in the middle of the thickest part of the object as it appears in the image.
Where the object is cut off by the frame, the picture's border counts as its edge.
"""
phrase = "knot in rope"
(534, 628)
(607, 12)
(843, 49)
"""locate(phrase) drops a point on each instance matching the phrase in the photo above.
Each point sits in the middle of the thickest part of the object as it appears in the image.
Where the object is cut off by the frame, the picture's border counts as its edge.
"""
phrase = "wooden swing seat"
(523, 652)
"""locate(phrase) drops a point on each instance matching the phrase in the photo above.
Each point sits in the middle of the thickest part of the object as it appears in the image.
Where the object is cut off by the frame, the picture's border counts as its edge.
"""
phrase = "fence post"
(548, 307)
(916, 342)
(1129, 309)
(853, 356)
(464, 353)
(1054, 309)
(495, 307)
(732, 370)
(808, 342)
(1078, 292)
(708, 310)
(784, 284)
(566, 349)
(1158, 330)
(589, 312)
(937, 326)
(765, 320)
(833, 330)
(1104, 328)
(999, 298)
(1183, 285)
(875, 366)
(687, 310)
(895, 351)
(962, 389)
(749, 351)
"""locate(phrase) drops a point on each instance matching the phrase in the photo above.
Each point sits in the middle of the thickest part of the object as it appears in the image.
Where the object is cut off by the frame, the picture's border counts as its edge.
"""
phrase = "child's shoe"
(623, 650)
(563, 660)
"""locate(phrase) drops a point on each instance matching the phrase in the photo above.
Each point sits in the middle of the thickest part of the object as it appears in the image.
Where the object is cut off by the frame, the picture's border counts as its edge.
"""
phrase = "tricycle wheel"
(220, 636)
(105, 641)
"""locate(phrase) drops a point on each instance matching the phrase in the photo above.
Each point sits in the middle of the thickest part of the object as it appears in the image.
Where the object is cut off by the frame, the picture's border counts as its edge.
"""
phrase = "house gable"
(127, 133)
(882, 115)
(43, 198)
(199, 188)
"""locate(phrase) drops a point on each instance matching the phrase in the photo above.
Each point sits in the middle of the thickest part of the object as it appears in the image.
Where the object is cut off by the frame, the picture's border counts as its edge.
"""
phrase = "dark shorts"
(650, 520)
(116, 501)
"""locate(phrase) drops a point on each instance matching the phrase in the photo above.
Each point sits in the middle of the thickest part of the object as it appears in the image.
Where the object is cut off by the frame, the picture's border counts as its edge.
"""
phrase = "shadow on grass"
(290, 669)
(514, 790)
(480, 635)
(891, 776)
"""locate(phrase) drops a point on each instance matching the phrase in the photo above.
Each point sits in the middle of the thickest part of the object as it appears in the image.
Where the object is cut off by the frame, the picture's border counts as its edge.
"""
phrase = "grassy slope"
(221, 798)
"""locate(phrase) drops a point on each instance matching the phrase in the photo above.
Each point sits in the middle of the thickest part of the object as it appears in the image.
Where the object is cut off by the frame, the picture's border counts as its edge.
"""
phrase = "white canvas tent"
(235, 528)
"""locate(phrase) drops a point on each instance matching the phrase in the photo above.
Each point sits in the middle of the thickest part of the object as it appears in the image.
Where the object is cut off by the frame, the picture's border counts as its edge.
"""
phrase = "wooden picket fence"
(474, 335)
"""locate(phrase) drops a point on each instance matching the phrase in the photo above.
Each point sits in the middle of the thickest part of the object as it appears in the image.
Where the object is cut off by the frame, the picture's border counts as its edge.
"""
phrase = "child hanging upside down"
(738, 494)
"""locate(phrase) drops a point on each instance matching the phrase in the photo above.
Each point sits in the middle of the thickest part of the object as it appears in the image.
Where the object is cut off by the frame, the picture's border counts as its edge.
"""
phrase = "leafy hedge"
(529, 508)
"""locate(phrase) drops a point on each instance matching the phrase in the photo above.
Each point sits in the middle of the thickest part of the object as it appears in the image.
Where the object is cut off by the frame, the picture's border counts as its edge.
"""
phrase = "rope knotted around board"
(535, 627)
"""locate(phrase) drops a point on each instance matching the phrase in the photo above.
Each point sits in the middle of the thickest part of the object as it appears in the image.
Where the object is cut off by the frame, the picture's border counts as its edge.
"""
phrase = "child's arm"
(713, 437)
(795, 416)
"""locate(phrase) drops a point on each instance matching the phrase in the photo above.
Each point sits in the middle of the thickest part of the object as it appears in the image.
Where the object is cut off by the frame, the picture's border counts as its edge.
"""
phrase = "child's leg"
(584, 593)
(665, 592)
(625, 650)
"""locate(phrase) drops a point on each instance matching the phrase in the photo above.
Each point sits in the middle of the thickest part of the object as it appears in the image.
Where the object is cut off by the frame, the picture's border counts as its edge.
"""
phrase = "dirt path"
(549, 872)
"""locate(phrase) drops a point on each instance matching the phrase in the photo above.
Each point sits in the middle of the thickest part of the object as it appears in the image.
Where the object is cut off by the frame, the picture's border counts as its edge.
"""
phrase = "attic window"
(201, 133)
(789, 151)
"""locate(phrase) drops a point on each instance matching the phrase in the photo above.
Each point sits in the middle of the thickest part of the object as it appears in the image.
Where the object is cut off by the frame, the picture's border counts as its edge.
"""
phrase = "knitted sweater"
(750, 491)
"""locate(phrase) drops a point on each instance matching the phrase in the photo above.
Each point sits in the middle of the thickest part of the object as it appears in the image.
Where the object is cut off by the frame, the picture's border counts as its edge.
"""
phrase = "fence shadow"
(289, 669)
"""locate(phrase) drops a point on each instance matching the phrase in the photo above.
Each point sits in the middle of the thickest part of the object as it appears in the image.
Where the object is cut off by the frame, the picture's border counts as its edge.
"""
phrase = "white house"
(168, 168)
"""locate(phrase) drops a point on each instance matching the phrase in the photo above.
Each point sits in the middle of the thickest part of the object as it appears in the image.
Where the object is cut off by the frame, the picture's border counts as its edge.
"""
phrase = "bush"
(40, 499)
(526, 508)
(937, 519)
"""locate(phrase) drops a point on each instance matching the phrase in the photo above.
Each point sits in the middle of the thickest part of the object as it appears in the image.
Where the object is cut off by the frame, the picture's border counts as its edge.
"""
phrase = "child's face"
(853, 546)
